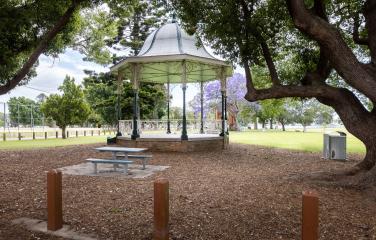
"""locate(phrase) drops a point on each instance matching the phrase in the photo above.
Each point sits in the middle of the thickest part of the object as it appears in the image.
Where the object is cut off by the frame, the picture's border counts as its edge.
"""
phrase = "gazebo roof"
(163, 53)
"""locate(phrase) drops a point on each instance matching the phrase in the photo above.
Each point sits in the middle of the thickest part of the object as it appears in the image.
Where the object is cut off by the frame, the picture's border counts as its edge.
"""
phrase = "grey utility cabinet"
(335, 146)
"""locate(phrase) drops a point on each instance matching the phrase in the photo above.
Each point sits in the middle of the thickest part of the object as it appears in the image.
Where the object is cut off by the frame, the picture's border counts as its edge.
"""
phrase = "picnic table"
(124, 152)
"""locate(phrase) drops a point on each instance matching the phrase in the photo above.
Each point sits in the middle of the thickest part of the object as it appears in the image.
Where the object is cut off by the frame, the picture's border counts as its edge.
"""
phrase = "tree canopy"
(69, 108)
(100, 92)
(310, 49)
(24, 111)
(31, 28)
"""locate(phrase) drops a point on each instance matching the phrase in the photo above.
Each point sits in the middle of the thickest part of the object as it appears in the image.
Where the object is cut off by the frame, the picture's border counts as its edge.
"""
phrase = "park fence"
(27, 122)
(54, 133)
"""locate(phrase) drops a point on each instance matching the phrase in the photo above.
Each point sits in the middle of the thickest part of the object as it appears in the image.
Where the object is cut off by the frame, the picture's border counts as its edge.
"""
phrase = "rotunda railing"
(160, 126)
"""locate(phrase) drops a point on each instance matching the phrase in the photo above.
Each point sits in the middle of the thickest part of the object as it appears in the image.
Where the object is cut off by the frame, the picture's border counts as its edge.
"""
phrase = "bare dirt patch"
(244, 192)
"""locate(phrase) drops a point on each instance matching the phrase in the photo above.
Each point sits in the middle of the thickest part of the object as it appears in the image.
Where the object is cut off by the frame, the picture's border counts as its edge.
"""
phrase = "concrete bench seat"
(143, 158)
(116, 163)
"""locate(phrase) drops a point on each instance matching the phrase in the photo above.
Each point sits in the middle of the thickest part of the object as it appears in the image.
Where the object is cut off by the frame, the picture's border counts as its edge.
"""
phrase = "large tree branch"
(357, 39)
(42, 46)
(370, 16)
(270, 63)
(346, 104)
(340, 55)
(248, 76)
(321, 73)
(290, 91)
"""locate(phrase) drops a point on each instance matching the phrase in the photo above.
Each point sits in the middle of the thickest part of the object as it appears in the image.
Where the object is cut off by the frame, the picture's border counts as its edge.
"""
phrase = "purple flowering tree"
(195, 104)
(236, 90)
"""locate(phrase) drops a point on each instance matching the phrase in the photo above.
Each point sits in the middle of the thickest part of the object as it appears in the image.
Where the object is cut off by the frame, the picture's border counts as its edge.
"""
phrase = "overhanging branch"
(291, 91)
(270, 63)
(42, 46)
(357, 39)
(340, 55)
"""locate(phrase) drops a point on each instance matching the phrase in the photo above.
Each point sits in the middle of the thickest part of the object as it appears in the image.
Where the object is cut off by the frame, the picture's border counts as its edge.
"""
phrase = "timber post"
(161, 209)
(54, 200)
(310, 215)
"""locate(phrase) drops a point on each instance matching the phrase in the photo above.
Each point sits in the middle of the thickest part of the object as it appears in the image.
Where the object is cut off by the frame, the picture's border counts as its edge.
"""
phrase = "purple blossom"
(236, 90)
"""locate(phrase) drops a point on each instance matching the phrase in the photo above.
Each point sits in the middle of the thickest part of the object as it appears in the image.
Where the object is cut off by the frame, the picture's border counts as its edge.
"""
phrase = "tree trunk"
(263, 124)
(63, 133)
(304, 128)
(370, 159)
(255, 127)
(283, 126)
(271, 123)
(359, 122)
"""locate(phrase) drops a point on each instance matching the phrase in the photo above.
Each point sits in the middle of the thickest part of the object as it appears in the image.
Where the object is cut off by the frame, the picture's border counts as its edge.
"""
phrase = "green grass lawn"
(28, 144)
(308, 141)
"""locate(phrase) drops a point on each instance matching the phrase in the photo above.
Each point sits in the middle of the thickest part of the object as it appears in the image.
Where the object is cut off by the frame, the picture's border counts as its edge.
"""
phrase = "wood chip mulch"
(243, 192)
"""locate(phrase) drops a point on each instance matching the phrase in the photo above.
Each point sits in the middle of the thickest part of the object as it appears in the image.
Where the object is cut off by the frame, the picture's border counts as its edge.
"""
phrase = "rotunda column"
(135, 80)
(201, 100)
(168, 101)
(223, 93)
(118, 106)
(202, 106)
(184, 135)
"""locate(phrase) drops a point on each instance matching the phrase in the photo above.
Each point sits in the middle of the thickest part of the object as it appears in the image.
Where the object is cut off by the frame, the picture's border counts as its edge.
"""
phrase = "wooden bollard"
(92, 132)
(45, 135)
(19, 136)
(57, 134)
(54, 201)
(76, 133)
(161, 209)
(310, 215)
(67, 134)
(85, 133)
(33, 135)
(4, 137)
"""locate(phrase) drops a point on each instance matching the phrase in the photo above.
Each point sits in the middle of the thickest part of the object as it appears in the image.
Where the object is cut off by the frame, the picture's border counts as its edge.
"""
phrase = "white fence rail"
(48, 133)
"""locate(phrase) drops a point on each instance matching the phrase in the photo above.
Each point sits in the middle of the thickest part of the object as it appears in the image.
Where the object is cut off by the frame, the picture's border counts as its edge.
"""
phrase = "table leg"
(125, 165)
(143, 164)
(95, 168)
(115, 157)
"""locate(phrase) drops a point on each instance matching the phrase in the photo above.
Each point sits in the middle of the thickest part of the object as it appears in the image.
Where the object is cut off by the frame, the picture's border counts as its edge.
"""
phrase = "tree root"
(354, 177)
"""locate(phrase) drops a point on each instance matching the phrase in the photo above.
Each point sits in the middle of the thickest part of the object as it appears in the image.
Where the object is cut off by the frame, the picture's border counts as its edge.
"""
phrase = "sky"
(51, 73)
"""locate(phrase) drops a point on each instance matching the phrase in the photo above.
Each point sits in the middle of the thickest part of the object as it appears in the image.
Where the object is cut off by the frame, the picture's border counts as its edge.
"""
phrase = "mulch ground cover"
(243, 192)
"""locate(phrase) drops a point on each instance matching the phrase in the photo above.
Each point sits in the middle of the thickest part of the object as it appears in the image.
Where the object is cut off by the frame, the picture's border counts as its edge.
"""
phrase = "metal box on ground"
(335, 146)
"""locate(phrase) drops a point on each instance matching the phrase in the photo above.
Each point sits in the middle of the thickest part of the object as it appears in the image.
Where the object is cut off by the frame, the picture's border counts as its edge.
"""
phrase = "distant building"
(231, 119)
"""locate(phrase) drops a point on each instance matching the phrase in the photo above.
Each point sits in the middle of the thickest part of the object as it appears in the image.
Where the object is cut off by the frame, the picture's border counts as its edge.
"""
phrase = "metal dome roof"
(163, 53)
(170, 39)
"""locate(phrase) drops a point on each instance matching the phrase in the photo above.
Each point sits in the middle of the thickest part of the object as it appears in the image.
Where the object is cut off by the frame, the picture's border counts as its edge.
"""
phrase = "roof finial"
(173, 18)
